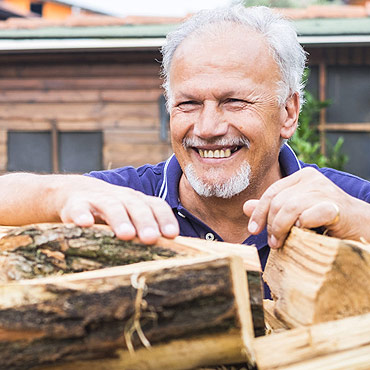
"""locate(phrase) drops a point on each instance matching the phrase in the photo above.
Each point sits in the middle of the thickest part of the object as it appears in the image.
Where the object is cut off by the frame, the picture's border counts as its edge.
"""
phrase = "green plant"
(306, 140)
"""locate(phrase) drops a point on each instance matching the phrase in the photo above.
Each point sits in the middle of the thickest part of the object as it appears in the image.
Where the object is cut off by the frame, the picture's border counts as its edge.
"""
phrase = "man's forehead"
(221, 34)
(232, 50)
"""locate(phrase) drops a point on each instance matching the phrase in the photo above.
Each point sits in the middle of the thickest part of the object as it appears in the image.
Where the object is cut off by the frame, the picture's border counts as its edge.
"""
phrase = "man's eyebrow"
(184, 96)
(221, 95)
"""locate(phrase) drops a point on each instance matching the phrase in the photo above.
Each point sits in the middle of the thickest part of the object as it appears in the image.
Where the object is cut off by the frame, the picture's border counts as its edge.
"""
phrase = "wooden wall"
(115, 92)
(118, 93)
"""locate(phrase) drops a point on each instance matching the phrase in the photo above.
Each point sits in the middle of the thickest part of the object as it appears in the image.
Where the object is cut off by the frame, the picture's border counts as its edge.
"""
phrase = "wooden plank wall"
(115, 92)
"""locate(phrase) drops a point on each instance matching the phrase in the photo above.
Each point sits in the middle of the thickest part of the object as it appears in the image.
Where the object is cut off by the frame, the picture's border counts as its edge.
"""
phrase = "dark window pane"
(80, 152)
(29, 151)
(356, 145)
(313, 81)
(36, 8)
(348, 87)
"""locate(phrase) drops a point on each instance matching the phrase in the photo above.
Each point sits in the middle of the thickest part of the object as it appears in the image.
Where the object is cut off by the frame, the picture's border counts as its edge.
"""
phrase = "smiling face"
(225, 119)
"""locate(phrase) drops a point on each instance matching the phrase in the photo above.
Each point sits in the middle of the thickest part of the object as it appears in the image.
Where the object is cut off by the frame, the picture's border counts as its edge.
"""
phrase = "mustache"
(189, 142)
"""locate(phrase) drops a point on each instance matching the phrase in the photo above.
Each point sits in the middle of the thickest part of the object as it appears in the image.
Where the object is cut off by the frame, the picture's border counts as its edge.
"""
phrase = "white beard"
(233, 186)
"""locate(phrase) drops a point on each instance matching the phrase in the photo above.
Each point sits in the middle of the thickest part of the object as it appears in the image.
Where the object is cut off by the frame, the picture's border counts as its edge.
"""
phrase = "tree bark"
(316, 278)
(195, 295)
(93, 314)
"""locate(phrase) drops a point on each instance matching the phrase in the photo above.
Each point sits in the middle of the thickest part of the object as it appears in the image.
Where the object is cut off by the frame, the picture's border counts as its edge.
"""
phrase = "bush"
(306, 140)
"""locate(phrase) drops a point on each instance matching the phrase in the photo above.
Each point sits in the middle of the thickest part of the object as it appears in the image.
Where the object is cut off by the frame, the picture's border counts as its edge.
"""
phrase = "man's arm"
(308, 199)
(29, 198)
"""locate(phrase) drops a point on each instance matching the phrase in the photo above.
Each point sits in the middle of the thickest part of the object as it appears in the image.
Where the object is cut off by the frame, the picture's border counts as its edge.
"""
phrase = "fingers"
(259, 216)
(77, 213)
(325, 213)
(128, 212)
(305, 199)
(164, 217)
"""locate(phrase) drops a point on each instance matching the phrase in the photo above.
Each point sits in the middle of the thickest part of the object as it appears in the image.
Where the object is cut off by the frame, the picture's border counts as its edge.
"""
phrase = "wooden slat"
(87, 124)
(79, 111)
(357, 127)
(357, 56)
(322, 97)
(42, 70)
(3, 149)
(79, 96)
(131, 136)
(330, 56)
(343, 56)
(120, 83)
(116, 155)
(86, 58)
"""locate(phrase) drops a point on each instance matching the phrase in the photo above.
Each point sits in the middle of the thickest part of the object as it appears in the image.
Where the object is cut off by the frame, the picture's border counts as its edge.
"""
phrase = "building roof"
(316, 25)
(89, 8)
(9, 10)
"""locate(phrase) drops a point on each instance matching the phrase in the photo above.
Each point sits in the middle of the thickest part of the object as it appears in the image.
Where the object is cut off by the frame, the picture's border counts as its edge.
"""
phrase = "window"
(46, 152)
(348, 116)
(36, 7)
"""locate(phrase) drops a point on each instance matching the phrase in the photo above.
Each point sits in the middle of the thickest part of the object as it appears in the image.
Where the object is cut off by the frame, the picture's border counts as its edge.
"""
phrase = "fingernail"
(84, 219)
(252, 227)
(170, 229)
(273, 241)
(125, 229)
(149, 233)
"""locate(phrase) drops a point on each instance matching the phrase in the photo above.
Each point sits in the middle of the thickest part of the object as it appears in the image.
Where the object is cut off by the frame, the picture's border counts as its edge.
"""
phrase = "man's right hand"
(84, 201)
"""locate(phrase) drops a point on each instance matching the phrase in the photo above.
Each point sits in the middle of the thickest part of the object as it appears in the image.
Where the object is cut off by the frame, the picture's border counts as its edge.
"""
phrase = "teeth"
(215, 153)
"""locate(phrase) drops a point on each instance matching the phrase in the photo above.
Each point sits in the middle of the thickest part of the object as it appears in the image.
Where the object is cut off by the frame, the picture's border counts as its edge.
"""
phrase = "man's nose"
(210, 122)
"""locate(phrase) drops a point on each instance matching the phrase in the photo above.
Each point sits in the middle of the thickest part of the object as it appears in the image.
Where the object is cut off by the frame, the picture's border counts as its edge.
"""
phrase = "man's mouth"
(218, 153)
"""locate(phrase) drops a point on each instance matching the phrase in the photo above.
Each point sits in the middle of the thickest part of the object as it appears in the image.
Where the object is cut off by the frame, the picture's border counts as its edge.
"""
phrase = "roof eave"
(70, 45)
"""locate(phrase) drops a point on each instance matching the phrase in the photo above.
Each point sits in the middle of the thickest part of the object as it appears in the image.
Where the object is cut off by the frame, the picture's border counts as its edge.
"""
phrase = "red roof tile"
(319, 11)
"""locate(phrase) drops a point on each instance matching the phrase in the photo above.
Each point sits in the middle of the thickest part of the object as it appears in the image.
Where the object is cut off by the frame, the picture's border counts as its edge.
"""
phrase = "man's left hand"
(307, 199)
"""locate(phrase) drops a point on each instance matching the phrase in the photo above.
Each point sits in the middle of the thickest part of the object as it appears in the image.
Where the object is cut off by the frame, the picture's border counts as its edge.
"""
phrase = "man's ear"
(291, 114)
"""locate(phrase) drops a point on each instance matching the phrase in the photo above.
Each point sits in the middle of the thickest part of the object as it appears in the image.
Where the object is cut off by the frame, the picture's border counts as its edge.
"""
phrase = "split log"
(316, 278)
(272, 323)
(111, 312)
(50, 249)
(336, 345)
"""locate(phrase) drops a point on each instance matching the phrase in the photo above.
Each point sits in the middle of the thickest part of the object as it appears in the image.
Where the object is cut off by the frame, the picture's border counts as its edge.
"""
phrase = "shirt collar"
(172, 172)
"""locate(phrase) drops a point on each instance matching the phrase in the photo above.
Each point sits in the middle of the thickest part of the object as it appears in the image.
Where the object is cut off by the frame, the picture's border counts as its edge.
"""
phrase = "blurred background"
(80, 87)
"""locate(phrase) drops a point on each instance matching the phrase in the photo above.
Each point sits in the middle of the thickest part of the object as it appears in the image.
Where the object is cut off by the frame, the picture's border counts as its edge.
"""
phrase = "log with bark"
(315, 278)
(191, 304)
(49, 249)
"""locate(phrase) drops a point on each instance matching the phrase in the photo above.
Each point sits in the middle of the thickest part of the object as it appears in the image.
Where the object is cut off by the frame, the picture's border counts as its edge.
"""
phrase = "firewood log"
(185, 297)
(335, 345)
(315, 278)
(126, 311)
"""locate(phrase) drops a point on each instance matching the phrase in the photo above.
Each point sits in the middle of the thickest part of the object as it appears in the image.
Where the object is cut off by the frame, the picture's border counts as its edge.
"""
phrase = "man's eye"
(233, 103)
(236, 101)
(187, 103)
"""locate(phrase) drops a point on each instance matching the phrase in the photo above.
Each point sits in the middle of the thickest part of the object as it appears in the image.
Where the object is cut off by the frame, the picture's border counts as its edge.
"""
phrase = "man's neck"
(224, 216)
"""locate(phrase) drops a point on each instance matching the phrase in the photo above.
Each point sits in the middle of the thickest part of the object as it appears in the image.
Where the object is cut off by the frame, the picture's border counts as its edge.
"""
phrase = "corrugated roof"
(304, 27)
(124, 31)
(109, 32)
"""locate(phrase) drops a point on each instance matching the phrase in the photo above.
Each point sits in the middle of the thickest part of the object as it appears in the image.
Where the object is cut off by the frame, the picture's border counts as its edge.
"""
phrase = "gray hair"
(279, 33)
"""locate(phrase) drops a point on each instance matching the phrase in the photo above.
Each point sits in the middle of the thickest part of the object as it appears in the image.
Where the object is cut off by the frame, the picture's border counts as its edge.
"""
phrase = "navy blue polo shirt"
(162, 180)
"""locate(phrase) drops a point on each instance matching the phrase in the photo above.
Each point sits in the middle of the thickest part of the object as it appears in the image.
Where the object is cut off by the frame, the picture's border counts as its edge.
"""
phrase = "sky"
(150, 7)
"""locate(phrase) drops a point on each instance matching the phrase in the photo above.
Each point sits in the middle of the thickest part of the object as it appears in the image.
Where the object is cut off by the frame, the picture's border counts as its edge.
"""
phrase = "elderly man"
(233, 83)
